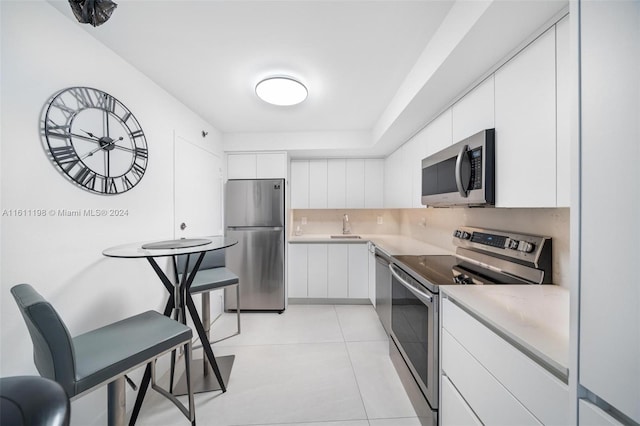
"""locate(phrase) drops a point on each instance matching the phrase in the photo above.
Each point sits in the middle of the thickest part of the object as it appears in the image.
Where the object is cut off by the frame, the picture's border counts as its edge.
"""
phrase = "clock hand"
(84, 137)
(91, 134)
(105, 146)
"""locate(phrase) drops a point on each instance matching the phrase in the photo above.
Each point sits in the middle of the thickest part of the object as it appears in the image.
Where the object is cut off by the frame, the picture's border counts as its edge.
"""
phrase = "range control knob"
(465, 235)
(513, 244)
(526, 247)
(457, 233)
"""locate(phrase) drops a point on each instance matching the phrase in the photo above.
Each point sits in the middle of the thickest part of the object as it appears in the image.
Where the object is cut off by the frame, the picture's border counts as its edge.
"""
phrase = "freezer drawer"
(258, 260)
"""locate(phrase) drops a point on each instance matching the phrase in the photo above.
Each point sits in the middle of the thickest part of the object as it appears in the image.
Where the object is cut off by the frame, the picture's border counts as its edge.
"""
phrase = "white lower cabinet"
(317, 270)
(454, 409)
(501, 384)
(591, 415)
(334, 271)
(338, 267)
(297, 286)
(372, 272)
(358, 271)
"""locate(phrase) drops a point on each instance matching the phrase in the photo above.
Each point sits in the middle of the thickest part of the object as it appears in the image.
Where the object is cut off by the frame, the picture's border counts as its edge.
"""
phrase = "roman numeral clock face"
(95, 140)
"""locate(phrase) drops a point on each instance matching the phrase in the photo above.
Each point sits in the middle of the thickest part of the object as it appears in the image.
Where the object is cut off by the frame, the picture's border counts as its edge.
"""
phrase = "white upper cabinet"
(318, 184)
(354, 184)
(474, 112)
(373, 183)
(241, 166)
(397, 182)
(271, 165)
(403, 168)
(525, 123)
(414, 152)
(337, 183)
(299, 185)
(337, 175)
(438, 134)
(261, 165)
(563, 114)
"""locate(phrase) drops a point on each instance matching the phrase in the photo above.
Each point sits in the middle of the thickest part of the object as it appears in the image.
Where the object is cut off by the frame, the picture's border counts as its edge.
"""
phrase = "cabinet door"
(563, 114)
(338, 260)
(241, 166)
(609, 341)
(372, 272)
(397, 185)
(297, 270)
(454, 409)
(336, 190)
(413, 161)
(271, 165)
(354, 184)
(525, 105)
(358, 271)
(438, 134)
(299, 184)
(373, 183)
(317, 270)
(317, 184)
(475, 111)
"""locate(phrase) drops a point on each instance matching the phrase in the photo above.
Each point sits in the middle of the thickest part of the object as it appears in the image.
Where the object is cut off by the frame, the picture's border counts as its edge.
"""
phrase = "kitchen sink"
(347, 236)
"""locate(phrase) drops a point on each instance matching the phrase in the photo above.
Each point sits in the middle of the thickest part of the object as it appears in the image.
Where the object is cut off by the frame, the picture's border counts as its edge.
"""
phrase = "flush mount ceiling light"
(281, 91)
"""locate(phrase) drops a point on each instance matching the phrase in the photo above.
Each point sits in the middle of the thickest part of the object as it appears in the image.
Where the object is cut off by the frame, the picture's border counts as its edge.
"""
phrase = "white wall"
(43, 52)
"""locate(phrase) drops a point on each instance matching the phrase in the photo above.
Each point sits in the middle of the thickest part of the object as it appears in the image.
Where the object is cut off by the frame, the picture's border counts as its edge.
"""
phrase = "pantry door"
(198, 186)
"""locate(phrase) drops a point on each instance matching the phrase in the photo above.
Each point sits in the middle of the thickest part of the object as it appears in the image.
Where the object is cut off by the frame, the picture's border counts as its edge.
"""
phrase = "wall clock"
(95, 140)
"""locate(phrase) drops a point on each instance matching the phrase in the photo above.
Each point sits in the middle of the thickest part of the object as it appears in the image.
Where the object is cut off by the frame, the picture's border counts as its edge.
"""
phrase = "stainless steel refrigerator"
(254, 215)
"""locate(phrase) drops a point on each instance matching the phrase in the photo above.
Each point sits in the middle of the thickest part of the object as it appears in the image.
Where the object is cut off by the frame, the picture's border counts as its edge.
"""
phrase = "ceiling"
(377, 71)
(352, 55)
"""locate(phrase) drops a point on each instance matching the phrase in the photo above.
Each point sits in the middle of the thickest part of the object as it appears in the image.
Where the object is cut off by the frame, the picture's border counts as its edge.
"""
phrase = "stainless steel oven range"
(482, 257)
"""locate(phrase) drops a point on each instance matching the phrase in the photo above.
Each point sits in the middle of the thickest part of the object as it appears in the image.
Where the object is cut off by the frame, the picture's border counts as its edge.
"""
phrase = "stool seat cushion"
(33, 401)
(114, 349)
(211, 279)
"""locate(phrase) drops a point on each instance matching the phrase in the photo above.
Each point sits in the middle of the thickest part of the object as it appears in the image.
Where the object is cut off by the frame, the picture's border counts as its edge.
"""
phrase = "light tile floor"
(314, 365)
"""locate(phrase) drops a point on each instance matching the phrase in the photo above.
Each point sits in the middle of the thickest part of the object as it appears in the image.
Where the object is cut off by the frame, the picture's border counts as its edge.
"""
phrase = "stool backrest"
(212, 259)
(52, 344)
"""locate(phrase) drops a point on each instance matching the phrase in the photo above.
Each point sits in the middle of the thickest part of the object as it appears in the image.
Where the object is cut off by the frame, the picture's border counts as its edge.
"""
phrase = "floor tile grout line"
(353, 370)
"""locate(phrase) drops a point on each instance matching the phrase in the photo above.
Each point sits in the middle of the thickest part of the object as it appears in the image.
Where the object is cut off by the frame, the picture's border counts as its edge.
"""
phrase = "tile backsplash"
(436, 226)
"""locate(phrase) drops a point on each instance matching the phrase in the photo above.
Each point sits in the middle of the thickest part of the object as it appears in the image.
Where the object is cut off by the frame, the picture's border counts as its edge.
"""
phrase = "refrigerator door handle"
(255, 228)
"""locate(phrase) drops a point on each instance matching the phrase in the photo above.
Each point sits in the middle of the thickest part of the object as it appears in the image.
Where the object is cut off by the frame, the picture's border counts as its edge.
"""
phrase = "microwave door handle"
(420, 294)
(461, 189)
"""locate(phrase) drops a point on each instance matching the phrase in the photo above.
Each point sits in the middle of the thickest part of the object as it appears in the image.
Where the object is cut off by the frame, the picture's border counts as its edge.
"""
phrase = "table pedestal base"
(201, 382)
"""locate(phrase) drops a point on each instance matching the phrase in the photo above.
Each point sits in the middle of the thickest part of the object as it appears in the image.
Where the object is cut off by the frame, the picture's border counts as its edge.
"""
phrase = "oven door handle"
(418, 293)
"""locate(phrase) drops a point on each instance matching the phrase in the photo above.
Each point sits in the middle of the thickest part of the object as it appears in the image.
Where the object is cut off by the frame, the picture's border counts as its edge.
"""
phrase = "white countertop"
(534, 317)
(391, 244)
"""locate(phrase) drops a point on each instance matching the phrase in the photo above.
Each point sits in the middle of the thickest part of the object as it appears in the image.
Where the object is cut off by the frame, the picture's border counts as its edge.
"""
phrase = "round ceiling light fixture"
(281, 91)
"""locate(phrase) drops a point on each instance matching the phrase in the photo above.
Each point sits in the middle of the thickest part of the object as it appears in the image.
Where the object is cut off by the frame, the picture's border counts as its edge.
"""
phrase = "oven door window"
(414, 323)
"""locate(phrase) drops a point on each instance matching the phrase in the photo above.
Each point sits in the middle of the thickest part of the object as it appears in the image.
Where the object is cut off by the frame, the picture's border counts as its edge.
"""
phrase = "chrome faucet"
(346, 226)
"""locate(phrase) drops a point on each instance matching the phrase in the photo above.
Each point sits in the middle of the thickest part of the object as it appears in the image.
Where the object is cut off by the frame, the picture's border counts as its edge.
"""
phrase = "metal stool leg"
(206, 324)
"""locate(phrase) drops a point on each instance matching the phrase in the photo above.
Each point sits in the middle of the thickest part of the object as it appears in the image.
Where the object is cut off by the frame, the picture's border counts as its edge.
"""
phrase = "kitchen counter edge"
(514, 313)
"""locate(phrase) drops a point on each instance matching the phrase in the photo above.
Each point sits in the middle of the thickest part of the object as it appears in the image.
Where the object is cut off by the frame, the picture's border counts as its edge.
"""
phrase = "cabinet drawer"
(541, 392)
(491, 401)
(591, 415)
(454, 409)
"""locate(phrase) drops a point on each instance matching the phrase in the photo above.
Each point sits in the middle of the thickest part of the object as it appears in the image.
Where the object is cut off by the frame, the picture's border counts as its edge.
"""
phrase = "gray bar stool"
(102, 356)
(33, 401)
(211, 276)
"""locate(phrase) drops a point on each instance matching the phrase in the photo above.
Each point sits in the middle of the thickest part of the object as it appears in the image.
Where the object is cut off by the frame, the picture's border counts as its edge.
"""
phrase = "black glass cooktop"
(436, 270)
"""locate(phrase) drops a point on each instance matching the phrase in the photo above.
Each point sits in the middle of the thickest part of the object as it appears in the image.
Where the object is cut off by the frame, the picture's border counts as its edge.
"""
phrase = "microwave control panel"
(475, 156)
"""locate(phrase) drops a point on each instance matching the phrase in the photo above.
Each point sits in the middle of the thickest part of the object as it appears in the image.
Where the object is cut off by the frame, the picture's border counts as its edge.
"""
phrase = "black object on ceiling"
(94, 12)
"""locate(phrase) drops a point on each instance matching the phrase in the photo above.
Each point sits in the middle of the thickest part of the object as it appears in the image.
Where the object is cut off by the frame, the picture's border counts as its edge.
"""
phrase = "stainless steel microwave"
(462, 174)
